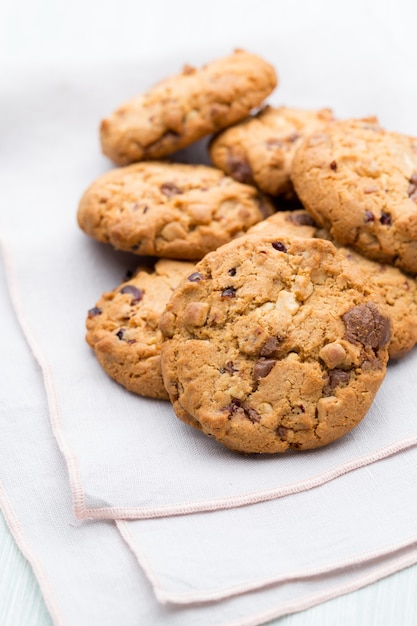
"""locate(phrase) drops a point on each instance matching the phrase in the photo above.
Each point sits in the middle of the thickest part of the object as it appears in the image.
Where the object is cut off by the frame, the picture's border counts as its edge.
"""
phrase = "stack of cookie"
(279, 336)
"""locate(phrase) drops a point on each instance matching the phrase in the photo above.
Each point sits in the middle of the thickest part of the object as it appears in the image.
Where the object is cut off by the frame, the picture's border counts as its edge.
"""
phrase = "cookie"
(394, 292)
(260, 149)
(184, 108)
(123, 329)
(169, 210)
(360, 182)
(273, 343)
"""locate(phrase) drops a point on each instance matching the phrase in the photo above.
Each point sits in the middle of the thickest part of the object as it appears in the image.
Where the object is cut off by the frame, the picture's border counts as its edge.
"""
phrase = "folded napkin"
(86, 572)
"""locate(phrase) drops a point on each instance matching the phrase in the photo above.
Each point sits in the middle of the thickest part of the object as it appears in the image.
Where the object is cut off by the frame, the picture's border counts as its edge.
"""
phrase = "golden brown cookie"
(169, 210)
(360, 182)
(273, 343)
(260, 149)
(123, 329)
(394, 292)
(184, 108)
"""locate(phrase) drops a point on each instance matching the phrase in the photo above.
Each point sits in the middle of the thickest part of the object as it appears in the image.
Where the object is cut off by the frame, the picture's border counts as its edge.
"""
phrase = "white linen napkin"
(87, 574)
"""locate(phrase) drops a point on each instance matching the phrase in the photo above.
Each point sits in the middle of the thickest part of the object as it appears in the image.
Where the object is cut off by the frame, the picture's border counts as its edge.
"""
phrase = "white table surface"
(54, 33)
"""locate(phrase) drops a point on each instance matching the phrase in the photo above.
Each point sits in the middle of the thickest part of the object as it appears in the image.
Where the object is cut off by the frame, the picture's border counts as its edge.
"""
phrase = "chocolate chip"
(169, 189)
(303, 219)
(278, 245)
(333, 166)
(145, 208)
(120, 333)
(337, 377)
(270, 346)
(252, 415)
(365, 324)
(385, 218)
(229, 368)
(134, 291)
(282, 432)
(229, 292)
(262, 368)
(369, 217)
(136, 246)
(195, 277)
(128, 275)
(94, 311)
(239, 169)
(236, 406)
(232, 271)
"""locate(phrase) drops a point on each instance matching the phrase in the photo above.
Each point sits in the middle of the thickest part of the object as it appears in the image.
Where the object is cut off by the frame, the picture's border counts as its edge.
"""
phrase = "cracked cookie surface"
(169, 210)
(123, 329)
(273, 343)
(186, 107)
(360, 182)
(260, 149)
(393, 291)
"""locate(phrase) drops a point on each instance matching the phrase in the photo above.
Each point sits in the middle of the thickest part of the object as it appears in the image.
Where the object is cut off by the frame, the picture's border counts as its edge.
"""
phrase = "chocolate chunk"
(136, 246)
(262, 368)
(303, 219)
(237, 407)
(229, 292)
(336, 378)
(333, 166)
(369, 217)
(270, 346)
(278, 245)
(120, 333)
(239, 169)
(134, 291)
(169, 190)
(232, 271)
(94, 311)
(365, 324)
(195, 277)
(252, 414)
(282, 432)
(413, 178)
(385, 219)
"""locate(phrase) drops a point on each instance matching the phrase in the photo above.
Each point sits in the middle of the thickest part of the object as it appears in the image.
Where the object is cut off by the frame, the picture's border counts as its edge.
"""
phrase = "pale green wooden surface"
(389, 602)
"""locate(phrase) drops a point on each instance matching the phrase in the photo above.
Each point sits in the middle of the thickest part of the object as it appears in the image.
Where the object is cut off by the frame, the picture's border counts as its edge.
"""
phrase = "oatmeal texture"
(169, 210)
(360, 182)
(122, 328)
(260, 149)
(273, 343)
(186, 107)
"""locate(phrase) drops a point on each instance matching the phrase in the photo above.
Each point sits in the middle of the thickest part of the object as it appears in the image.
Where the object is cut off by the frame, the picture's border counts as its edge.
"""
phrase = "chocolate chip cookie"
(273, 343)
(394, 292)
(169, 210)
(123, 329)
(184, 108)
(260, 149)
(360, 182)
